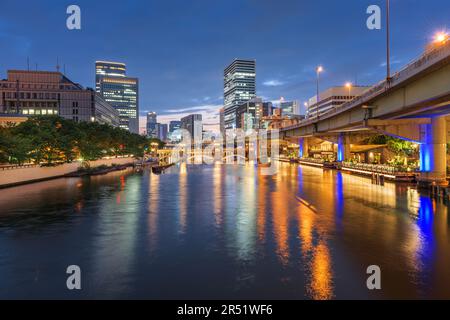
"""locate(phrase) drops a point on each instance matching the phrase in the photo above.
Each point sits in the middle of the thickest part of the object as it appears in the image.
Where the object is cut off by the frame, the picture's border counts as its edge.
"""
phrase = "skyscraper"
(222, 121)
(174, 125)
(151, 125)
(174, 133)
(161, 129)
(120, 91)
(239, 87)
(193, 124)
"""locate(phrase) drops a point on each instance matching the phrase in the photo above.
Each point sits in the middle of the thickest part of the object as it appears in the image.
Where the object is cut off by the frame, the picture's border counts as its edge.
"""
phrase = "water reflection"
(315, 253)
(224, 231)
(153, 210)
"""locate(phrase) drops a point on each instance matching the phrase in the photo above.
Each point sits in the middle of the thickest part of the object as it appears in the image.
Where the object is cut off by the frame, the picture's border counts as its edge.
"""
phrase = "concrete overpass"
(412, 105)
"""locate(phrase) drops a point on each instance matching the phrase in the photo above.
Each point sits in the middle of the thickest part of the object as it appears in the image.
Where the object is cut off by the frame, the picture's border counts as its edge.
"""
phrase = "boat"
(160, 169)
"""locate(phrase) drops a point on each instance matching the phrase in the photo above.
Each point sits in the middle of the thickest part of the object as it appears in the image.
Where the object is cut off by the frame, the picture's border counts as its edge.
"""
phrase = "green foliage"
(398, 146)
(51, 139)
(13, 149)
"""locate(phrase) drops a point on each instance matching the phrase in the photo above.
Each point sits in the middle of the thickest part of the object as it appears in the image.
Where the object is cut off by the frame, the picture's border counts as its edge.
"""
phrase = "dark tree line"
(52, 140)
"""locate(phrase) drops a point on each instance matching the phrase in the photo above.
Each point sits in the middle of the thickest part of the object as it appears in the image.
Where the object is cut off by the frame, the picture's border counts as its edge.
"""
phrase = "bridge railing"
(419, 64)
(313, 160)
(377, 168)
(16, 166)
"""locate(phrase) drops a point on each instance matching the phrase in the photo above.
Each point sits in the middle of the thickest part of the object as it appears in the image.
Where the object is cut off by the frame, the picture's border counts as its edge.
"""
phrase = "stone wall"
(24, 175)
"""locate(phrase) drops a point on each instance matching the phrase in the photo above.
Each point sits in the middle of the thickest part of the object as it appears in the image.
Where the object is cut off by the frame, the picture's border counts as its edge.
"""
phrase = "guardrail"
(12, 167)
(24, 166)
(377, 168)
(312, 160)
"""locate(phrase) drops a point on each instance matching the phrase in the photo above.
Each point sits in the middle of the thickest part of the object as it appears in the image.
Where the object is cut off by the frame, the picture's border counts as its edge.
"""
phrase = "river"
(222, 231)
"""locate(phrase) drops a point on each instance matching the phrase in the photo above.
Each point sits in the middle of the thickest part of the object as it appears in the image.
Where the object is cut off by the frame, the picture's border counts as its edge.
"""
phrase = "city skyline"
(287, 69)
(247, 151)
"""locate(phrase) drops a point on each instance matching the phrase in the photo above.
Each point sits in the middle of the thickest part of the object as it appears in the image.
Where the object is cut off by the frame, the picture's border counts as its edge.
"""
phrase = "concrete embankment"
(18, 176)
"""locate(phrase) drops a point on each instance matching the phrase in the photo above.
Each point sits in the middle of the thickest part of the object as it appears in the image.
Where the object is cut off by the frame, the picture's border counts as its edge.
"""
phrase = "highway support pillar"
(433, 153)
(343, 148)
(303, 151)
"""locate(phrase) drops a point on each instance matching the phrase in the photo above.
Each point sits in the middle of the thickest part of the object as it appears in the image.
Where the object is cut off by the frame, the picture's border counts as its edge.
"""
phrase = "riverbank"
(374, 172)
(25, 175)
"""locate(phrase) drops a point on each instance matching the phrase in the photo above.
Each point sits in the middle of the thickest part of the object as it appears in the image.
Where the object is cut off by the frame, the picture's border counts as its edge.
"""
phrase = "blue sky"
(179, 48)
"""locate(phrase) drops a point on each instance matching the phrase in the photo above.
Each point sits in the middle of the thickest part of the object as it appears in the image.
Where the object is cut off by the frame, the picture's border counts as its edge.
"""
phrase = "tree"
(52, 139)
(14, 149)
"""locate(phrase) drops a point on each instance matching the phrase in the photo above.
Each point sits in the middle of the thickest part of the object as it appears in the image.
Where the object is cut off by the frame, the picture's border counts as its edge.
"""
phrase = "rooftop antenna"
(28, 63)
(57, 64)
(64, 69)
(36, 66)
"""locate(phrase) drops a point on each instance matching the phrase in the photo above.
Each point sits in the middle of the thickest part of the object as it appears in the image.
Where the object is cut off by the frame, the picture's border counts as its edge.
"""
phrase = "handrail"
(376, 168)
(15, 166)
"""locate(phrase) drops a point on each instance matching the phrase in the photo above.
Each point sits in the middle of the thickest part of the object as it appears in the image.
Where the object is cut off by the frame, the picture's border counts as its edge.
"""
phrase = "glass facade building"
(174, 125)
(239, 87)
(151, 125)
(289, 108)
(162, 131)
(194, 125)
(120, 91)
(249, 114)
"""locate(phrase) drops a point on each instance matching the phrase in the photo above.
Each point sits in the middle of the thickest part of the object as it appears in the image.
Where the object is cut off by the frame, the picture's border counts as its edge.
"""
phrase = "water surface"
(222, 231)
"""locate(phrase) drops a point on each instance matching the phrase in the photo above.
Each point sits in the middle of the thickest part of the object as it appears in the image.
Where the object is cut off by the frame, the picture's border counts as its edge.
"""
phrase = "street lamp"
(441, 37)
(348, 85)
(388, 40)
(318, 71)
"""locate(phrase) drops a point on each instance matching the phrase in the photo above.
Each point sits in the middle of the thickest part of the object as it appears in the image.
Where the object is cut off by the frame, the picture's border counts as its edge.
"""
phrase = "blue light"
(339, 204)
(340, 153)
(300, 147)
(425, 158)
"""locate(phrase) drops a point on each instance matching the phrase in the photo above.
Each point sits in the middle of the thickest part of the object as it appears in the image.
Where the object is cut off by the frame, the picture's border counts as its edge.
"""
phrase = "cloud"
(273, 83)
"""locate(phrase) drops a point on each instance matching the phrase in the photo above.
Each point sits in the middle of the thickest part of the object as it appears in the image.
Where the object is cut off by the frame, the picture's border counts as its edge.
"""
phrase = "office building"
(222, 121)
(239, 87)
(174, 125)
(193, 124)
(161, 129)
(31, 93)
(174, 134)
(250, 113)
(289, 108)
(119, 90)
(332, 98)
(151, 129)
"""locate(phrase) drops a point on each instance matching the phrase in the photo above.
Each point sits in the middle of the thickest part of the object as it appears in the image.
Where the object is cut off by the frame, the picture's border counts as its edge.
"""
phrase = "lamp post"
(348, 85)
(388, 42)
(318, 71)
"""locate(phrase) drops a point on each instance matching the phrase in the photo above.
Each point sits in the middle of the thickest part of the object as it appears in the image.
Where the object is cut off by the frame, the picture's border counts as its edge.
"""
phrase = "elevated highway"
(412, 105)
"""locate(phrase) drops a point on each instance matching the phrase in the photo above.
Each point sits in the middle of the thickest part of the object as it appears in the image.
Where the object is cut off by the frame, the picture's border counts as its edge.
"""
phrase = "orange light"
(441, 37)
(319, 69)
(348, 85)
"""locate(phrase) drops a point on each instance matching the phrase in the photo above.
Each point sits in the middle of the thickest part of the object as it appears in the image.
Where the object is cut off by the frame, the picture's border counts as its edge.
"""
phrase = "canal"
(222, 231)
